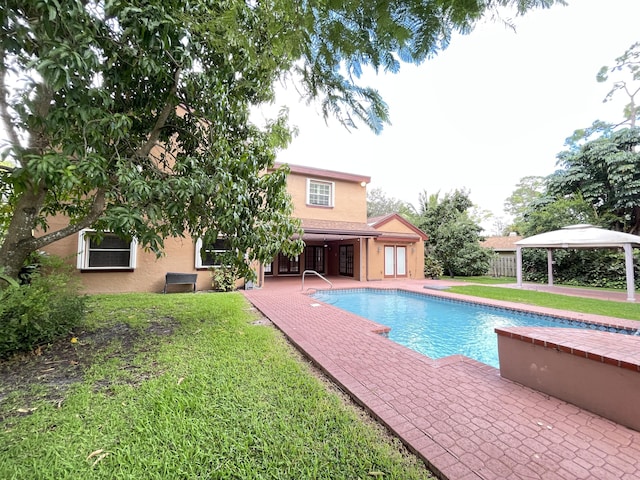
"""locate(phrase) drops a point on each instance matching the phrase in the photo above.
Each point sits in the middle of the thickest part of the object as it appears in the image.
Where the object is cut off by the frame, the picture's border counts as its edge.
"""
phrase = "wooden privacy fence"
(503, 266)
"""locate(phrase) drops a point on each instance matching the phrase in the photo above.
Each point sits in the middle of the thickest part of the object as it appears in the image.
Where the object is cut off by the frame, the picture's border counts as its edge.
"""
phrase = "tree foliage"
(518, 204)
(379, 204)
(547, 214)
(454, 238)
(626, 72)
(605, 172)
(89, 91)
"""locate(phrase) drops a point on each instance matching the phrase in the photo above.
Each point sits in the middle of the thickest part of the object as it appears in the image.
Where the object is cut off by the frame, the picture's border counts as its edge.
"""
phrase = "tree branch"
(169, 107)
(97, 209)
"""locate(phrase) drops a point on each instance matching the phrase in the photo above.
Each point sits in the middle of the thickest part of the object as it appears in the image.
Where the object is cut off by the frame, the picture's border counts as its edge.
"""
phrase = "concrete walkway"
(463, 419)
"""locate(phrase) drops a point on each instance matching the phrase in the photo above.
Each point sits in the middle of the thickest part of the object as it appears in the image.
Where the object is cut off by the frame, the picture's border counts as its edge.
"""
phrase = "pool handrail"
(317, 274)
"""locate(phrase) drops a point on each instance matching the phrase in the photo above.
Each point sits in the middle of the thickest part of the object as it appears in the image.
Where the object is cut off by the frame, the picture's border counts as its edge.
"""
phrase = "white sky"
(494, 107)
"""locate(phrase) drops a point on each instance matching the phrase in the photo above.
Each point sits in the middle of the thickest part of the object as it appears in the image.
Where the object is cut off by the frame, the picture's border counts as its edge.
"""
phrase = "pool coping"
(572, 342)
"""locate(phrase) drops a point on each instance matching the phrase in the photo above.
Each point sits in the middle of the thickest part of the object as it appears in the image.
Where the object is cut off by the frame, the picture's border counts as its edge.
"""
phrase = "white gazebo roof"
(580, 236)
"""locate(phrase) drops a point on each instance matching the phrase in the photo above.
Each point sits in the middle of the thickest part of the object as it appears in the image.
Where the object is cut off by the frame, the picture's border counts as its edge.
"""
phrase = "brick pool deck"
(460, 416)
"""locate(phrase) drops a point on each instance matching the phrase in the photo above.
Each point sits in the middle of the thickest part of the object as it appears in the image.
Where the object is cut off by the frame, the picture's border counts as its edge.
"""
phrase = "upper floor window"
(320, 193)
(109, 253)
(211, 255)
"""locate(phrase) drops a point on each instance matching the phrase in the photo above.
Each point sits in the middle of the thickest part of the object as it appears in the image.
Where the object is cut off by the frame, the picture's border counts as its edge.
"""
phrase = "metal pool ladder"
(318, 275)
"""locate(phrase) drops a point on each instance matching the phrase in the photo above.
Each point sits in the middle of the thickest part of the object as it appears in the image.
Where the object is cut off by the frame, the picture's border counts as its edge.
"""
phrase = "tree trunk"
(635, 229)
(19, 241)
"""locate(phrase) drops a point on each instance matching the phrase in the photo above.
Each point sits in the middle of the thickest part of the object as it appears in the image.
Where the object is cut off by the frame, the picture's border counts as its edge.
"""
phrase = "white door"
(389, 261)
(395, 261)
(401, 261)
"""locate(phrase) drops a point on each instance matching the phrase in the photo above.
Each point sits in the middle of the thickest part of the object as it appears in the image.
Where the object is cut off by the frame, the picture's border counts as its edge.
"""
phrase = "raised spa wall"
(597, 371)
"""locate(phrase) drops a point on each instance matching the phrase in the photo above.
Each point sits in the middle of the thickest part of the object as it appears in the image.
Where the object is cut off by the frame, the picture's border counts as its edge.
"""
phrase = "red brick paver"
(459, 415)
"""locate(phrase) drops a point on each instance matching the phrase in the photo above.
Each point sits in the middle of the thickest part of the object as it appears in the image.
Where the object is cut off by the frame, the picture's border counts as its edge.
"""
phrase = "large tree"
(598, 182)
(90, 89)
(547, 214)
(625, 75)
(602, 162)
(518, 204)
(454, 237)
(605, 172)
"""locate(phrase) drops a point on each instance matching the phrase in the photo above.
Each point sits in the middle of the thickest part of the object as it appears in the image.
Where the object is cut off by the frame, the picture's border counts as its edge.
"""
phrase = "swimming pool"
(438, 327)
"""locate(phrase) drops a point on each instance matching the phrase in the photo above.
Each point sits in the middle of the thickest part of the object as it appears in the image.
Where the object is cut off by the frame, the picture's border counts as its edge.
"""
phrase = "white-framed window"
(211, 255)
(320, 193)
(111, 253)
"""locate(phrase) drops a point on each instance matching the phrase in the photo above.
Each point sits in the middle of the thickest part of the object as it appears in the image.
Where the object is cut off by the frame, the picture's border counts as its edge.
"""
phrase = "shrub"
(224, 278)
(470, 260)
(593, 268)
(39, 312)
(432, 267)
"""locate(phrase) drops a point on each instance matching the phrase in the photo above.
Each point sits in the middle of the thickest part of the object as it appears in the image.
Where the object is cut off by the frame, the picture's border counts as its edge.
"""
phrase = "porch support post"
(628, 262)
(362, 275)
(550, 266)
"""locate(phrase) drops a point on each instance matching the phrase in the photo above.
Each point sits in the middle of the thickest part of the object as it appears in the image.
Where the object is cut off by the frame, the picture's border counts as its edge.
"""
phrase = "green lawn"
(485, 279)
(627, 310)
(189, 388)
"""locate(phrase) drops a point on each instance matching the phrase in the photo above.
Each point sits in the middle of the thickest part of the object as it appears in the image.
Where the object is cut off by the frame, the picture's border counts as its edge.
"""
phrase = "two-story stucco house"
(339, 241)
(338, 237)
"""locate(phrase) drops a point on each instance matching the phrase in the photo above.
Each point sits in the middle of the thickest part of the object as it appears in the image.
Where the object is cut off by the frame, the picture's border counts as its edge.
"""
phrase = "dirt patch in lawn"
(48, 372)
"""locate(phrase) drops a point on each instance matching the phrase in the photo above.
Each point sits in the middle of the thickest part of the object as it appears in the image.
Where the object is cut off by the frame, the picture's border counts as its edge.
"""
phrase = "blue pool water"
(439, 327)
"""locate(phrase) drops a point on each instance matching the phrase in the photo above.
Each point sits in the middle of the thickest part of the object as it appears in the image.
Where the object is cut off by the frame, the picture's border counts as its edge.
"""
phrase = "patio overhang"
(330, 231)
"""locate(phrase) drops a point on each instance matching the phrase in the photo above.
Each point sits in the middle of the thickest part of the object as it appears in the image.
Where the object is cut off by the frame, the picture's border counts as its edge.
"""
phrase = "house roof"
(329, 174)
(399, 237)
(325, 230)
(580, 236)
(502, 244)
(380, 219)
(377, 222)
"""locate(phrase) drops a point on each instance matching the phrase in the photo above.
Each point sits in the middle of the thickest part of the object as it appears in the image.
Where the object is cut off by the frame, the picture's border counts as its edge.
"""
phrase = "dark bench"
(173, 278)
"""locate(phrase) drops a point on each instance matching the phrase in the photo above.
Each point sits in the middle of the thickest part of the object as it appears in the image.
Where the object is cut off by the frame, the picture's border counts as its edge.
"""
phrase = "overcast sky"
(494, 107)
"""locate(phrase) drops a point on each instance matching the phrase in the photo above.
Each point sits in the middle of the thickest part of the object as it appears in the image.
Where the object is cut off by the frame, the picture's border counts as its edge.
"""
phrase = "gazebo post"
(519, 266)
(550, 266)
(628, 262)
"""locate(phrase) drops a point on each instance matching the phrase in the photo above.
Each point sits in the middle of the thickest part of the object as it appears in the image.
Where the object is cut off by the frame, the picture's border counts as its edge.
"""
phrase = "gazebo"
(581, 236)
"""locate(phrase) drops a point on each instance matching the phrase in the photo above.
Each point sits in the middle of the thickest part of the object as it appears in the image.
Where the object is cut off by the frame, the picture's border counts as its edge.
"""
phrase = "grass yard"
(609, 308)
(484, 279)
(183, 386)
